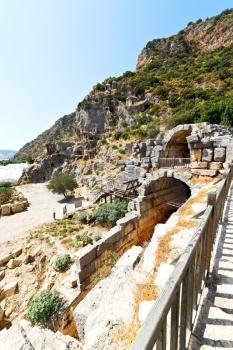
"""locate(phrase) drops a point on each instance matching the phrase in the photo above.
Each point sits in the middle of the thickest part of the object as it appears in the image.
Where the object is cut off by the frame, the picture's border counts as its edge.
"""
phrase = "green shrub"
(62, 262)
(5, 194)
(100, 87)
(63, 232)
(108, 214)
(82, 216)
(97, 237)
(43, 305)
(85, 238)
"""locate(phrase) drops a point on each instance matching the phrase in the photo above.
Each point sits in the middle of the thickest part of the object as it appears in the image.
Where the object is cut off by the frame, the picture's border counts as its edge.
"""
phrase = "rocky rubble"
(22, 336)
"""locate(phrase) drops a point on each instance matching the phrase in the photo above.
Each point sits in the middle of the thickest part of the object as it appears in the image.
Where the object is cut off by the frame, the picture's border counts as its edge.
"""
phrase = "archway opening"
(177, 146)
(164, 196)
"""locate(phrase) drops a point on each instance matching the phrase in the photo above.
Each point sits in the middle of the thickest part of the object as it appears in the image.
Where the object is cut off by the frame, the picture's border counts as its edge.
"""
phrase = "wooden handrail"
(185, 284)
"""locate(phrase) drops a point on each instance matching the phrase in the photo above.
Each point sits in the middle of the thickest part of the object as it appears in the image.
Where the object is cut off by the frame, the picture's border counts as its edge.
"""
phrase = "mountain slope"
(61, 130)
(187, 77)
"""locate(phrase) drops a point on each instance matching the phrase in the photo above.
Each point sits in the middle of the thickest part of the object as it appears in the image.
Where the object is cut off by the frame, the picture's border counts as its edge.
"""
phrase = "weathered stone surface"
(204, 172)
(144, 309)
(207, 154)
(196, 155)
(36, 338)
(2, 275)
(4, 259)
(219, 154)
(9, 289)
(85, 256)
(13, 263)
(98, 311)
(16, 252)
(199, 165)
(17, 208)
(215, 165)
(130, 258)
(6, 209)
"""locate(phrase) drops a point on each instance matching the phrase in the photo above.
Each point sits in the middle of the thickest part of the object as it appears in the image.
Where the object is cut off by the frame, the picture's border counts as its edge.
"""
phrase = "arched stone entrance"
(159, 197)
(177, 146)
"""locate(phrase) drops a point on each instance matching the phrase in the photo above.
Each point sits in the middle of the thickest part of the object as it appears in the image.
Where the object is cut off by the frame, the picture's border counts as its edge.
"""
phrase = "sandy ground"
(42, 205)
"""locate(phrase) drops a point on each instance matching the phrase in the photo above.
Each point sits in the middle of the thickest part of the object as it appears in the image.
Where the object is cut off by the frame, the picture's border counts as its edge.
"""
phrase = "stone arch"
(175, 142)
(145, 189)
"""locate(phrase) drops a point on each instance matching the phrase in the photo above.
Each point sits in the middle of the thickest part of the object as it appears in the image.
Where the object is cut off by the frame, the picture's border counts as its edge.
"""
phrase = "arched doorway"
(177, 146)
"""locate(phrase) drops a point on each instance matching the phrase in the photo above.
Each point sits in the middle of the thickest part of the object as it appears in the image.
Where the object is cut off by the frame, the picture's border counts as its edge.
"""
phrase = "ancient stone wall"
(136, 227)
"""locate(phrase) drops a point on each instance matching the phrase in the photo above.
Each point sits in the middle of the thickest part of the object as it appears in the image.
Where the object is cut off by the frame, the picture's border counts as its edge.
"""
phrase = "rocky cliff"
(62, 129)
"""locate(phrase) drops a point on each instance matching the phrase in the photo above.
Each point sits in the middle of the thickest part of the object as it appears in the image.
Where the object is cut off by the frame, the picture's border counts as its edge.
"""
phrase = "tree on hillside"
(62, 184)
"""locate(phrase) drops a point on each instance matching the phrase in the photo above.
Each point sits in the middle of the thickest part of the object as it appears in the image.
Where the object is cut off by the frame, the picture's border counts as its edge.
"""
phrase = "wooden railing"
(174, 162)
(170, 321)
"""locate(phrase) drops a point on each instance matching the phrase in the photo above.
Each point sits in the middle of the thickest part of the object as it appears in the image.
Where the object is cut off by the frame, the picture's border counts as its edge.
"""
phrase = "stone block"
(85, 256)
(4, 259)
(114, 235)
(207, 154)
(13, 263)
(86, 272)
(6, 209)
(16, 252)
(199, 165)
(17, 208)
(196, 154)
(215, 165)
(204, 172)
(219, 154)
(100, 247)
(192, 138)
(9, 289)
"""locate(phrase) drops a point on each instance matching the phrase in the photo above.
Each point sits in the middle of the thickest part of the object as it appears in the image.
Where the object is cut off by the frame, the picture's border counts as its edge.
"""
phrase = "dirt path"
(42, 205)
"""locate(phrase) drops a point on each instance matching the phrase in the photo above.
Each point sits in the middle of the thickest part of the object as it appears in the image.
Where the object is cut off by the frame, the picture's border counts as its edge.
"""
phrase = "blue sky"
(54, 51)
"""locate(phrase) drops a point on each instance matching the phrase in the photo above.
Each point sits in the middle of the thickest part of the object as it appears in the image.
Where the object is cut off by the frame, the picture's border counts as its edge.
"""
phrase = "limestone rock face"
(111, 302)
(36, 338)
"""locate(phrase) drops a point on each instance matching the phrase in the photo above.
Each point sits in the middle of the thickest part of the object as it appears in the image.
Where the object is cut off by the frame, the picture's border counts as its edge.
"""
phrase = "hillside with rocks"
(61, 130)
(185, 78)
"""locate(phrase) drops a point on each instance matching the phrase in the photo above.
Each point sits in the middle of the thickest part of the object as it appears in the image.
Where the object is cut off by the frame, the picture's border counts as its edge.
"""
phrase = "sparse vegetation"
(62, 262)
(108, 214)
(43, 305)
(6, 192)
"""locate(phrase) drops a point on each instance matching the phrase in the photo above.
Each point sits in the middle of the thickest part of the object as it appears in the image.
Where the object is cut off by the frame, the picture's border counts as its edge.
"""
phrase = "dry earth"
(42, 205)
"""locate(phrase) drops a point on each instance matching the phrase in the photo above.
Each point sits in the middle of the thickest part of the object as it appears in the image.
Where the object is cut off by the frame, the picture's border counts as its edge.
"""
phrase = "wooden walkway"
(214, 326)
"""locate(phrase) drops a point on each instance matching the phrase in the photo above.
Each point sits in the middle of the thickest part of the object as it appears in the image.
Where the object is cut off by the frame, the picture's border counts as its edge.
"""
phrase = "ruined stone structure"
(205, 148)
(158, 198)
